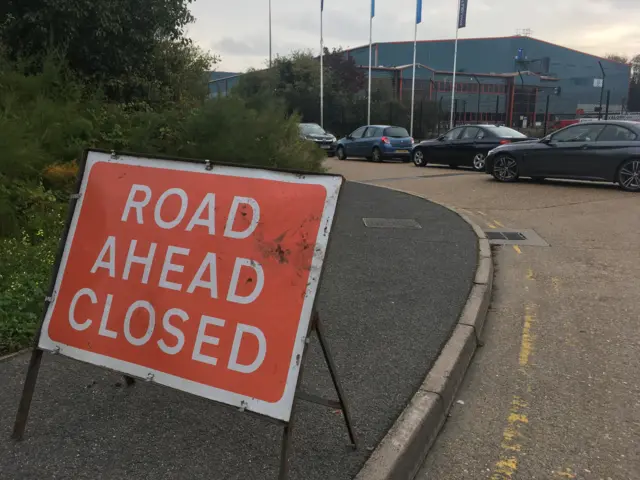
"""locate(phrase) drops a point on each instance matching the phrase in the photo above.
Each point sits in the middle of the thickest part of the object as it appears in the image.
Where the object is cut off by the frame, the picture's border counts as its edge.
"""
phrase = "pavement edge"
(9, 356)
(405, 446)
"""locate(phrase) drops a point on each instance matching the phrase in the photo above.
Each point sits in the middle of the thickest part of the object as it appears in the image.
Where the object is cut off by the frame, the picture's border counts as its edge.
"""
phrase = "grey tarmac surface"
(555, 391)
(389, 301)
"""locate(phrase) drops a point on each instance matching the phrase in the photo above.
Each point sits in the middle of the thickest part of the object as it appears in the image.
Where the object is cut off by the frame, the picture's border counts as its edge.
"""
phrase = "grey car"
(606, 151)
(315, 133)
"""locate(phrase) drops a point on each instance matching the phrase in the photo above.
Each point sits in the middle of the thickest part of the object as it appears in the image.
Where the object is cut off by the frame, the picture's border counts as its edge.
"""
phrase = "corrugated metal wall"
(575, 70)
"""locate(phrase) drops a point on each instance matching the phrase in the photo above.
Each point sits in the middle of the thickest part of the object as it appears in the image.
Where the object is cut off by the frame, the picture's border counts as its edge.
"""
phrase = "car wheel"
(376, 156)
(505, 169)
(342, 155)
(419, 160)
(478, 162)
(629, 175)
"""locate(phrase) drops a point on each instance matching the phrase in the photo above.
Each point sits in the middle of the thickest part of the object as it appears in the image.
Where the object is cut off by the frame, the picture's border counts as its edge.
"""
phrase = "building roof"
(510, 37)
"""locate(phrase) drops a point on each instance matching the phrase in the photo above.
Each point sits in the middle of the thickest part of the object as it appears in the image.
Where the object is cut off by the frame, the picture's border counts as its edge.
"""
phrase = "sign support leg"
(334, 377)
(341, 404)
(284, 452)
(27, 394)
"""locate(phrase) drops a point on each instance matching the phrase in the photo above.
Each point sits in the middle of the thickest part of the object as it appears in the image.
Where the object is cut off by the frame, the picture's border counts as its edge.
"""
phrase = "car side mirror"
(441, 138)
(546, 140)
(349, 137)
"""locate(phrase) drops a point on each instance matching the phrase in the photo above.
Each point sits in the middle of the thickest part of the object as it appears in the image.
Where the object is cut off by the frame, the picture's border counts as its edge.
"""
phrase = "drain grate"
(497, 235)
(391, 223)
(515, 237)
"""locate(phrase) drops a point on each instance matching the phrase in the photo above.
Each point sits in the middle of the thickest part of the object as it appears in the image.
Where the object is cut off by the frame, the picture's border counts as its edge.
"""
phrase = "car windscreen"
(506, 132)
(396, 132)
(311, 129)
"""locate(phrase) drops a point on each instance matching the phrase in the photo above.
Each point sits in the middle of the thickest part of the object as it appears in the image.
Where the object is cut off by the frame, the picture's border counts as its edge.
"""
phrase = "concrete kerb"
(405, 446)
(9, 356)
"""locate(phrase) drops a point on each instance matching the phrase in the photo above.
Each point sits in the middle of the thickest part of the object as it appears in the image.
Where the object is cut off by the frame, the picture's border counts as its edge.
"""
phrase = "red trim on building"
(510, 110)
(535, 108)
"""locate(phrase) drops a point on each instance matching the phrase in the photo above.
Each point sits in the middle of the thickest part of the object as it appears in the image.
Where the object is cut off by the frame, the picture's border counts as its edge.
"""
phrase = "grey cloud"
(581, 24)
(232, 46)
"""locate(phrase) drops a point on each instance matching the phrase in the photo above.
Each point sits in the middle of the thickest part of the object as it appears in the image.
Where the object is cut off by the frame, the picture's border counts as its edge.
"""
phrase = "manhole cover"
(515, 237)
(391, 223)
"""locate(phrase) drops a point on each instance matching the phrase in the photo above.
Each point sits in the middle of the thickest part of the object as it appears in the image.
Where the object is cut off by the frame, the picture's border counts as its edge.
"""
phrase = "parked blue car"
(377, 143)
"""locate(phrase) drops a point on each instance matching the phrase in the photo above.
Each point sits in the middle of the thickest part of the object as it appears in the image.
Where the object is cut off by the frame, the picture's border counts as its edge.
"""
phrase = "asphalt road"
(389, 301)
(554, 393)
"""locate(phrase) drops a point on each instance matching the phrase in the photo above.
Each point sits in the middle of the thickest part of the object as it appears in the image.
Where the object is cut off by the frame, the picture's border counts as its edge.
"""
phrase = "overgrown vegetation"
(633, 102)
(116, 74)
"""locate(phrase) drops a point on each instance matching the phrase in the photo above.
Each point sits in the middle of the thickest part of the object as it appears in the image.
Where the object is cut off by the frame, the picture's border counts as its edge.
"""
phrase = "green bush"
(46, 121)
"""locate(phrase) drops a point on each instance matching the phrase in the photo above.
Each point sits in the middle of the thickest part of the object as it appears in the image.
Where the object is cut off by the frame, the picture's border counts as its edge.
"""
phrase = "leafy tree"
(133, 47)
(617, 57)
(633, 104)
(348, 78)
(294, 80)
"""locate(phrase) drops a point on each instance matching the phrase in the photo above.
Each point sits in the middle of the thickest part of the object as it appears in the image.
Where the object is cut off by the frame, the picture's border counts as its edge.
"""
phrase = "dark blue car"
(376, 142)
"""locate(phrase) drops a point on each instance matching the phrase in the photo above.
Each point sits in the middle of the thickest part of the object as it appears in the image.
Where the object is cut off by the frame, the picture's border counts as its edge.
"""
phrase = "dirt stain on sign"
(273, 248)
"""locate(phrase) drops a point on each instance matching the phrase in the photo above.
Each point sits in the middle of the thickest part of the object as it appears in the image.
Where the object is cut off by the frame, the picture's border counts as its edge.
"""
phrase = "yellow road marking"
(530, 274)
(517, 249)
(491, 225)
(507, 465)
(498, 223)
(527, 339)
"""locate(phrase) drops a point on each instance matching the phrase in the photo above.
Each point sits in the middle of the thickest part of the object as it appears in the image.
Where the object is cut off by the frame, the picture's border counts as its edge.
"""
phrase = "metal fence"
(528, 110)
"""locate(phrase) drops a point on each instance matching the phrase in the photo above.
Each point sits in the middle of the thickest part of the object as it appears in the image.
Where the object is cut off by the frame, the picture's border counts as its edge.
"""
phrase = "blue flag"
(373, 8)
(418, 11)
(322, 5)
(462, 14)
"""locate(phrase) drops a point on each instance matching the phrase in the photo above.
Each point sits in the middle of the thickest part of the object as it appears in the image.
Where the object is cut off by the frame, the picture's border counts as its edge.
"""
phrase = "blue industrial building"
(505, 78)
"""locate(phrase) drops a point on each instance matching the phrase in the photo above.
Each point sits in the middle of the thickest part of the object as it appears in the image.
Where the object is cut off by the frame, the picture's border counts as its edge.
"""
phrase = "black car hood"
(522, 145)
(430, 142)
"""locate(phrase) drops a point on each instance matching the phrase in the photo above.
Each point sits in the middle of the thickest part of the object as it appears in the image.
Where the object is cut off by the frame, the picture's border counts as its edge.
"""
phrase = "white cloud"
(238, 32)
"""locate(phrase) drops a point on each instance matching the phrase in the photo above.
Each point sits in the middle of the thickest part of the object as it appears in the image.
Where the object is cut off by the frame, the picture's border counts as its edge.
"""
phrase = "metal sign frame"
(313, 323)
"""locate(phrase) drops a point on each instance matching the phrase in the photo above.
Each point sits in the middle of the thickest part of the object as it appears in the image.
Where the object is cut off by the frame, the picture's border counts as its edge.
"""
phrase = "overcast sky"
(237, 30)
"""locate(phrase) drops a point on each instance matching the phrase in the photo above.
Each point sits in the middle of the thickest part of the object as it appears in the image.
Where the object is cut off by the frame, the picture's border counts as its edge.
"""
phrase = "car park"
(315, 133)
(597, 151)
(466, 145)
(377, 143)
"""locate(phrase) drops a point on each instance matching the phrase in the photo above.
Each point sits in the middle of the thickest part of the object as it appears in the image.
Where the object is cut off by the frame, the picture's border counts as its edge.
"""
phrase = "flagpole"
(321, 68)
(370, 57)
(413, 79)
(415, 48)
(269, 33)
(455, 65)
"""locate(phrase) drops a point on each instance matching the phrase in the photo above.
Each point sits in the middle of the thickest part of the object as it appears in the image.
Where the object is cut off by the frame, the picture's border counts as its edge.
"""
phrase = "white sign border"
(280, 410)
